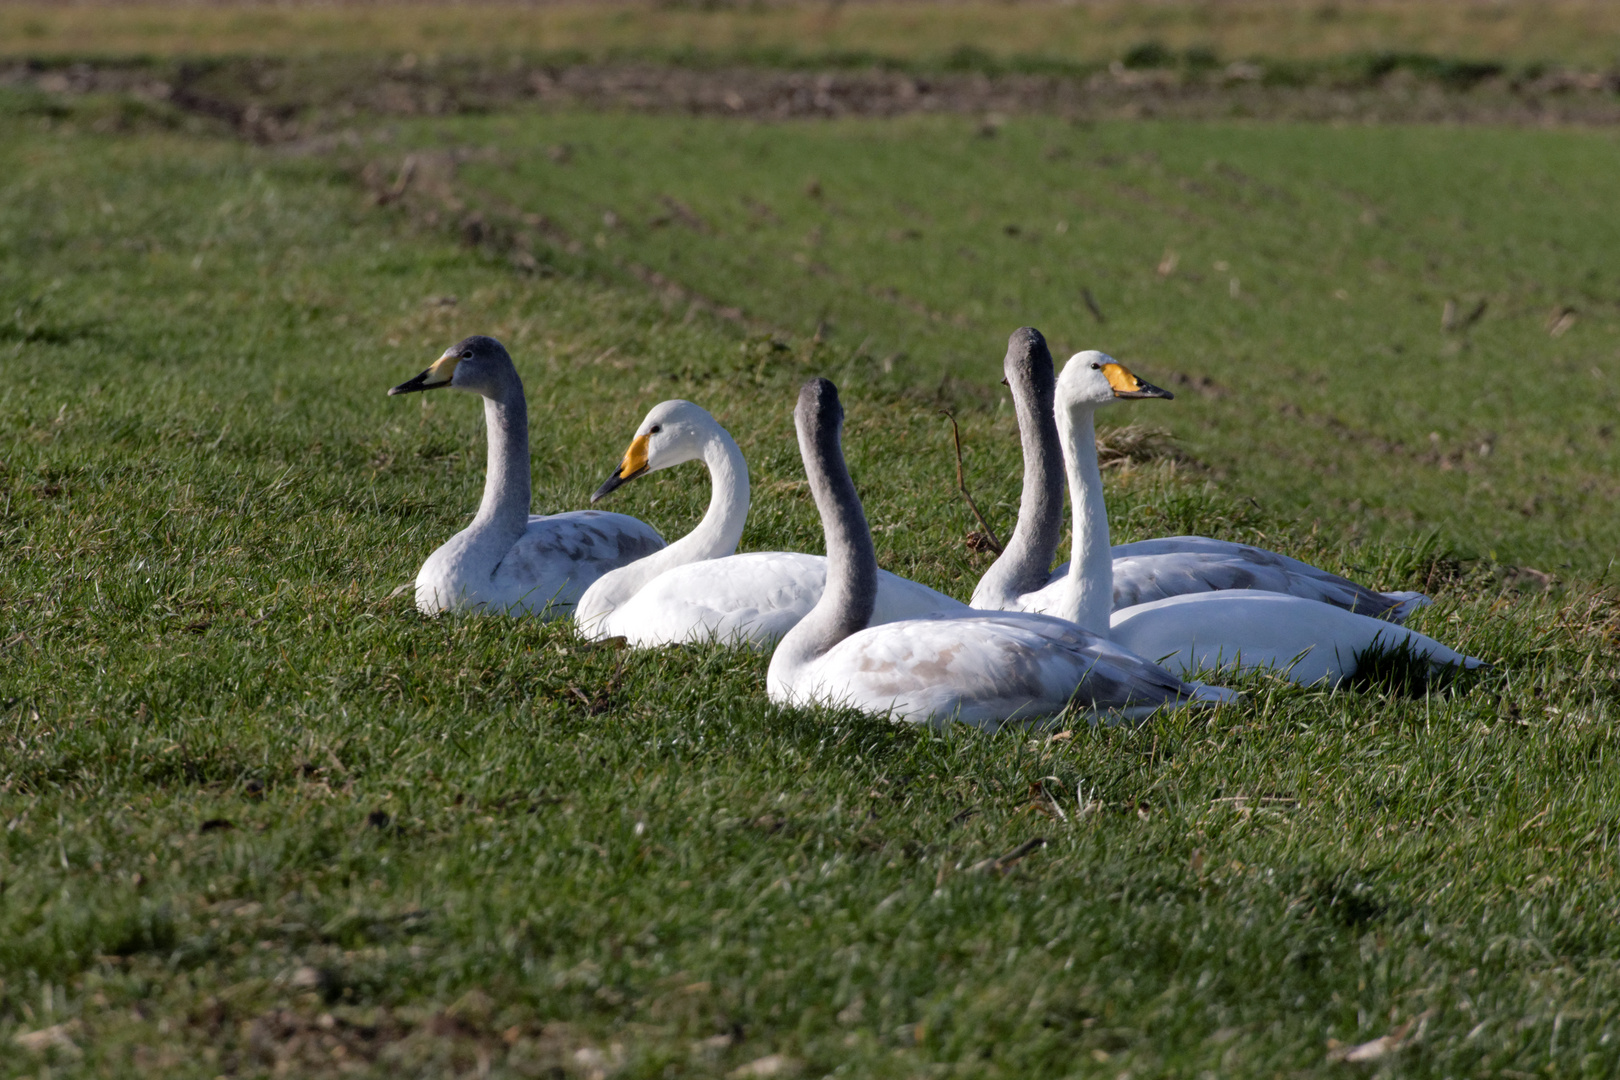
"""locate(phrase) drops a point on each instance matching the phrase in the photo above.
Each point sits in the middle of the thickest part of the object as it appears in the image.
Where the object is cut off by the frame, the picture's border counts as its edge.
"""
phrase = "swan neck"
(505, 505)
(1090, 597)
(846, 605)
(714, 537)
(721, 529)
(1025, 565)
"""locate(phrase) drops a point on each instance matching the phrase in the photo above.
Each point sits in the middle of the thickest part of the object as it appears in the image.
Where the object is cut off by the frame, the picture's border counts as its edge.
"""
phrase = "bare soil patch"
(274, 100)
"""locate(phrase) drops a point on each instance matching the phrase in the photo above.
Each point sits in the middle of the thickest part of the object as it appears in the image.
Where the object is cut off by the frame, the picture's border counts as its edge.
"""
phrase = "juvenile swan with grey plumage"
(508, 560)
(696, 589)
(1021, 579)
(981, 669)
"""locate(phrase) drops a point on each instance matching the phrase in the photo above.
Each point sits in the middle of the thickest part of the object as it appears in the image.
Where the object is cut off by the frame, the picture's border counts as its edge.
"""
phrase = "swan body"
(1305, 640)
(696, 589)
(1250, 629)
(508, 560)
(986, 669)
(751, 599)
(983, 668)
(1147, 570)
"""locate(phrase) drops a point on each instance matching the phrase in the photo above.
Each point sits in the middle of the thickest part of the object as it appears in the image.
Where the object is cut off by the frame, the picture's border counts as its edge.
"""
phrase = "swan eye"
(467, 355)
(1096, 367)
(655, 429)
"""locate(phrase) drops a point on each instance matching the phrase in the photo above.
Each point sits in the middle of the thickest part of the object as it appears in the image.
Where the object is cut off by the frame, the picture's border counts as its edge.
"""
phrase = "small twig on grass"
(1091, 304)
(1009, 860)
(989, 534)
(20, 636)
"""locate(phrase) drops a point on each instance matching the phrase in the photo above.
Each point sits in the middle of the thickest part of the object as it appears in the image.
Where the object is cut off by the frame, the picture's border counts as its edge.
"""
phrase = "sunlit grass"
(1389, 330)
(259, 816)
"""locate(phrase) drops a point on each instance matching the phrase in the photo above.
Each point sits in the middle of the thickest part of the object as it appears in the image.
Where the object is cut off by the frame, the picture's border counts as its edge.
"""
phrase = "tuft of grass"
(261, 817)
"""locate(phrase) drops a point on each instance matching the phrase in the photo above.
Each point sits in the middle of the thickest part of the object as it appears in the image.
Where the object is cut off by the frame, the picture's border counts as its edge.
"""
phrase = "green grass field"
(1292, 281)
(261, 818)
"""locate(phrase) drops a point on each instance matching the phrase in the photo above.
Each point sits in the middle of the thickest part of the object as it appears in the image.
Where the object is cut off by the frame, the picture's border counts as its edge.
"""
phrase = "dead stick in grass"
(961, 483)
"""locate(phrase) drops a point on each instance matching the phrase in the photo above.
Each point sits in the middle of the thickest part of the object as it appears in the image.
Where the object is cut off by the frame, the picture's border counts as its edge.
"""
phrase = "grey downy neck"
(1025, 565)
(846, 606)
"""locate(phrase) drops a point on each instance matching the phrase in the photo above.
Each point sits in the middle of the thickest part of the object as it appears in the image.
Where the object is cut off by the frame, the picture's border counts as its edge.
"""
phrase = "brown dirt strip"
(272, 100)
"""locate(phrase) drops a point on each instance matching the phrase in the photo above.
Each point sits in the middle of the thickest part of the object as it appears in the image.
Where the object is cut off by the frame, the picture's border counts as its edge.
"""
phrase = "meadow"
(261, 818)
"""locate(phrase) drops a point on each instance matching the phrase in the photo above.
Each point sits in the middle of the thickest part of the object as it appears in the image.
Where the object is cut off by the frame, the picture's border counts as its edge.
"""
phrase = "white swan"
(696, 589)
(983, 669)
(1147, 570)
(508, 560)
(1245, 628)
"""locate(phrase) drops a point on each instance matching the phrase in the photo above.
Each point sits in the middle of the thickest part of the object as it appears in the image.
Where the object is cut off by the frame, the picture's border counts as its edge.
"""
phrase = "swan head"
(819, 415)
(1028, 365)
(477, 363)
(673, 433)
(1092, 379)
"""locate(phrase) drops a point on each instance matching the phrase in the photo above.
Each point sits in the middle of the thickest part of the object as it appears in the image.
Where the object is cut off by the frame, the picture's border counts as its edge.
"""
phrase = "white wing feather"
(1250, 630)
(1150, 570)
(749, 599)
(553, 562)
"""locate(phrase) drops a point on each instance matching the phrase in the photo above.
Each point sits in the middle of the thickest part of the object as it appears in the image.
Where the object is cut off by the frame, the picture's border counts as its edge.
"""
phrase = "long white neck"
(714, 537)
(1090, 594)
(505, 508)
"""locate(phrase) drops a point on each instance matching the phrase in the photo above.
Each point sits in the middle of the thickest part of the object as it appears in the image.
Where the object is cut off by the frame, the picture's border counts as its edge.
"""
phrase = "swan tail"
(1407, 658)
(1443, 656)
(1402, 605)
(1204, 694)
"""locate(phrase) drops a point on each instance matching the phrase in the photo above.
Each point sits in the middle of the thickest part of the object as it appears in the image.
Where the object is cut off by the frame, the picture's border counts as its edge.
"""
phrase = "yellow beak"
(634, 464)
(1127, 385)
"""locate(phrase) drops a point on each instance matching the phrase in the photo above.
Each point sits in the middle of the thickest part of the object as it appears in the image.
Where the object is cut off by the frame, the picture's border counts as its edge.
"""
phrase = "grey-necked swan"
(984, 669)
(508, 560)
(1021, 579)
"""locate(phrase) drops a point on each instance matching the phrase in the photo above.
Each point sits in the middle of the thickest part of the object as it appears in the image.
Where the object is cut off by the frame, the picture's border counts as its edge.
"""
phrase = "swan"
(983, 669)
(696, 589)
(1306, 641)
(1147, 570)
(508, 560)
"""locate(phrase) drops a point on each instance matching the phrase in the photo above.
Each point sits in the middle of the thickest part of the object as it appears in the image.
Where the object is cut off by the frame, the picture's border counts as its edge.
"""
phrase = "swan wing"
(1309, 642)
(750, 599)
(1149, 570)
(1043, 601)
(983, 670)
(558, 556)
(901, 598)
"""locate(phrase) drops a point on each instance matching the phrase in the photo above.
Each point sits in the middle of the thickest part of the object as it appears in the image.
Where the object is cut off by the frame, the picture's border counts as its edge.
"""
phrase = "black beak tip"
(607, 488)
(412, 386)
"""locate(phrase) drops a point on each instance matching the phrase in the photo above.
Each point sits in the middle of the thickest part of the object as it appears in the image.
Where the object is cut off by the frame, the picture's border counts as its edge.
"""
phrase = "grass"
(261, 817)
(1294, 273)
(1577, 32)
